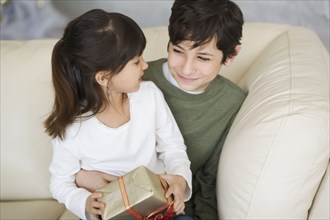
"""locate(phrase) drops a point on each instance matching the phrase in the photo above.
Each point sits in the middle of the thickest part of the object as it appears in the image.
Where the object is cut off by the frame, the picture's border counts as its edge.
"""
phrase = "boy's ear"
(229, 60)
(102, 78)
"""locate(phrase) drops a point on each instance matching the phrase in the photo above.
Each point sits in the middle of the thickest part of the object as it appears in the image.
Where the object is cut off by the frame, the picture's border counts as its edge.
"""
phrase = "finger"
(178, 204)
(166, 177)
(95, 217)
(169, 192)
(96, 195)
(98, 205)
(98, 208)
(178, 207)
(96, 212)
(109, 178)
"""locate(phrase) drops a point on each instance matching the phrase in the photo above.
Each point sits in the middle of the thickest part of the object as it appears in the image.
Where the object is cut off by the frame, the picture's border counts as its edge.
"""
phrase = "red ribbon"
(124, 196)
(168, 215)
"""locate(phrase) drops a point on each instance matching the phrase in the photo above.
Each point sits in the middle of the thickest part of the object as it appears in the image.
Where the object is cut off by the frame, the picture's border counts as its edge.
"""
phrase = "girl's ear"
(229, 60)
(102, 78)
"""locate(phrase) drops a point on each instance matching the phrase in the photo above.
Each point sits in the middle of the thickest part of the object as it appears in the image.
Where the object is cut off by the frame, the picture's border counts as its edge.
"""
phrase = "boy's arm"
(92, 180)
(205, 198)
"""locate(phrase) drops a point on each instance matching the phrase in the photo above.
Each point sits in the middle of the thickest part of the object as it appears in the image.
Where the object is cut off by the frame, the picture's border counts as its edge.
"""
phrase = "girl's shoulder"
(148, 91)
(82, 121)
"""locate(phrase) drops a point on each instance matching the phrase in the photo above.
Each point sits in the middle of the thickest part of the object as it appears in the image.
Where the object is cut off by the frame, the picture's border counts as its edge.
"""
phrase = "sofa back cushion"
(26, 99)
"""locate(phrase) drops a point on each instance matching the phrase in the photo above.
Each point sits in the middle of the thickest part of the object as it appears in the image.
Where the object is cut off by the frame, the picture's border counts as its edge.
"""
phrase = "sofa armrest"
(277, 150)
(321, 203)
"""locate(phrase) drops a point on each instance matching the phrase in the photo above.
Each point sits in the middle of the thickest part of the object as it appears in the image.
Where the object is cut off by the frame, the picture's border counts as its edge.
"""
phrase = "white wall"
(28, 19)
(313, 14)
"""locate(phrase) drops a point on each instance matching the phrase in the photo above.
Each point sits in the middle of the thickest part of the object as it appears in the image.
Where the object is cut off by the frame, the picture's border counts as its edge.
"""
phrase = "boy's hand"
(92, 180)
(93, 206)
(177, 186)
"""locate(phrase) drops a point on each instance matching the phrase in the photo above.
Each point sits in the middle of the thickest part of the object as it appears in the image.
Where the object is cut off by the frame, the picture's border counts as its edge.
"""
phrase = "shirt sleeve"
(63, 168)
(170, 144)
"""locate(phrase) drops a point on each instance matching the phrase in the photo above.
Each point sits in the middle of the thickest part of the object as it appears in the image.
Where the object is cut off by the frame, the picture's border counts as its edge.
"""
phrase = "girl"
(104, 118)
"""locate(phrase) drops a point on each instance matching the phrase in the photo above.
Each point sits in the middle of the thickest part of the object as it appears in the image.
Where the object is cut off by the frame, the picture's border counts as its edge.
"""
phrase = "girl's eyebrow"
(179, 46)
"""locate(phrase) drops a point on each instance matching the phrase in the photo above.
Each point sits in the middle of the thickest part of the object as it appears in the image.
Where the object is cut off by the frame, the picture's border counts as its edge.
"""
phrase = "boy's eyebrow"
(205, 54)
(200, 53)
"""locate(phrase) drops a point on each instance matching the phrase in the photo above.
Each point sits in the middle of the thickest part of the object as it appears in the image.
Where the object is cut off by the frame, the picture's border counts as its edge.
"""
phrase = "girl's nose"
(144, 64)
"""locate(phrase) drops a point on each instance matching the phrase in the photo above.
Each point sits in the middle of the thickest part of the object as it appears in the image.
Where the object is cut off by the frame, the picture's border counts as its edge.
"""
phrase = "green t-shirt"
(204, 120)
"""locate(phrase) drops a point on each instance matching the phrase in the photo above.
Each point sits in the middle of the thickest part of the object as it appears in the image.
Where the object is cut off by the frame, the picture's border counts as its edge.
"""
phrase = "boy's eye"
(203, 58)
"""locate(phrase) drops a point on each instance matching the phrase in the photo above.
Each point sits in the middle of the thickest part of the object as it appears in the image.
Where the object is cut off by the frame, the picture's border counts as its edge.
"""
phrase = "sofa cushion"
(31, 209)
(278, 148)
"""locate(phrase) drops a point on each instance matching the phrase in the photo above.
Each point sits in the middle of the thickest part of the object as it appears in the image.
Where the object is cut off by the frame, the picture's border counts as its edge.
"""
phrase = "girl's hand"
(92, 180)
(177, 186)
(93, 206)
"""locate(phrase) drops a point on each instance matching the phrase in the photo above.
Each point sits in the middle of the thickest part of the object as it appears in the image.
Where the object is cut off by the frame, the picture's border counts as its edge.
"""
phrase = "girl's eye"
(137, 62)
(176, 50)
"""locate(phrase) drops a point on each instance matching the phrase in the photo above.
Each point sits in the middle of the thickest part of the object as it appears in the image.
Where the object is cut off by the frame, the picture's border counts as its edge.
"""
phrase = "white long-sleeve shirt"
(151, 138)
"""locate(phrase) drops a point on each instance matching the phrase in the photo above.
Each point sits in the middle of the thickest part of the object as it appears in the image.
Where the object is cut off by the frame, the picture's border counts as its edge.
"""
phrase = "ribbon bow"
(168, 215)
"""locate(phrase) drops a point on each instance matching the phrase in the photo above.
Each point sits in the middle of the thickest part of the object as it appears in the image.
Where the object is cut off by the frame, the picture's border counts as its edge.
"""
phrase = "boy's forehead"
(192, 44)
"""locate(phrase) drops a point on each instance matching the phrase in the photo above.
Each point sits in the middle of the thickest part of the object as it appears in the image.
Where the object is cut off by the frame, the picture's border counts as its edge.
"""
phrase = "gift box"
(140, 194)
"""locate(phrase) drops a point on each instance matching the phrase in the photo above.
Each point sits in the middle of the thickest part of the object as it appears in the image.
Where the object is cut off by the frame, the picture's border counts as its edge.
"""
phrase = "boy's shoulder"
(155, 67)
(231, 87)
(158, 62)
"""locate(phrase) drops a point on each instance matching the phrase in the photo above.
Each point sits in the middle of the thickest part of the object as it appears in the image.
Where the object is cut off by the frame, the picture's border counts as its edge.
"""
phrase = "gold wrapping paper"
(137, 195)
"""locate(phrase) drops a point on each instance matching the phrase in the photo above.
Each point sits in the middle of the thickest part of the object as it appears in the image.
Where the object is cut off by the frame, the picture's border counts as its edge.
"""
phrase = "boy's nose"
(188, 68)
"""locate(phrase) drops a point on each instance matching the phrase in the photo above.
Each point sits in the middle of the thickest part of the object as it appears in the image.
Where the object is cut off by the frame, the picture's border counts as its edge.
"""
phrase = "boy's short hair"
(201, 20)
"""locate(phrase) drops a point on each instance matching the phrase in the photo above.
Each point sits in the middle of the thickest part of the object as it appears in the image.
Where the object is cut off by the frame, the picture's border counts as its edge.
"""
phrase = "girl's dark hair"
(95, 41)
(201, 20)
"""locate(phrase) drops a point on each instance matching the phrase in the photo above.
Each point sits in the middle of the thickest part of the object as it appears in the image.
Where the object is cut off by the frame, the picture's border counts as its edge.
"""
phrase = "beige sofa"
(275, 162)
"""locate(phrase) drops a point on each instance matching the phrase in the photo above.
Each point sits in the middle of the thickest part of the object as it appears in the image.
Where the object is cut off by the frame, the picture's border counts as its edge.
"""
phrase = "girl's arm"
(177, 188)
(172, 150)
(63, 167)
